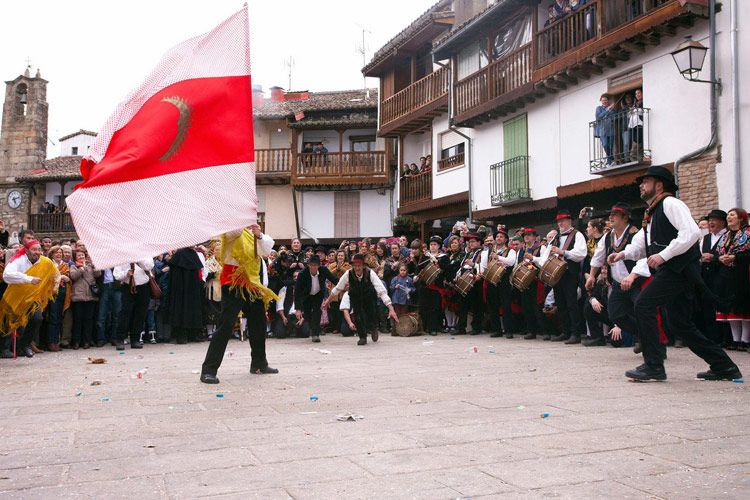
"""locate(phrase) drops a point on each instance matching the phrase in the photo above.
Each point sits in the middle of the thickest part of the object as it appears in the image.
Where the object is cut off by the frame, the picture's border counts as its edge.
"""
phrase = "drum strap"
(570, 238)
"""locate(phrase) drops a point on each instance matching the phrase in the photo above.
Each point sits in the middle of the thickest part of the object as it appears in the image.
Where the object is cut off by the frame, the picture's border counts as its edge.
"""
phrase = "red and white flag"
(174, 164)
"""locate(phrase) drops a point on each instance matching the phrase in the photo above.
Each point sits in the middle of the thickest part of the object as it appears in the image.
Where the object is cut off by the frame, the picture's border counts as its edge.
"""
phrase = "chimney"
(466, 9)
(257, 96)
(277, 94)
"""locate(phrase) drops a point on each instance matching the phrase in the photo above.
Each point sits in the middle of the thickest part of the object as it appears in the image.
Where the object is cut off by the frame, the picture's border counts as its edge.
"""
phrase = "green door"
(515, 146)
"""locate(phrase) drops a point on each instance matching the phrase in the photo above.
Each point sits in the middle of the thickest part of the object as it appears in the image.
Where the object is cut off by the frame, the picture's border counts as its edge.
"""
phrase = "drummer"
(529, 299)
(500, 294)
(473, 301)
(570, 245)
(430, 295)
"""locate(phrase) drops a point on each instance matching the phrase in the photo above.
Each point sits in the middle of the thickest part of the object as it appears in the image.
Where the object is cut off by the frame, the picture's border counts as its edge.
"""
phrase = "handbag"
(155, 290)
(94, 287)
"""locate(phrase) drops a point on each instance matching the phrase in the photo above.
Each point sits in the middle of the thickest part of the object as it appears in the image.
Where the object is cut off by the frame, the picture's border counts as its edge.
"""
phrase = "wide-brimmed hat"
(472, 236)
(563, 214)
(662, 174)
(622, 209)
(436, 239)
(717, 214)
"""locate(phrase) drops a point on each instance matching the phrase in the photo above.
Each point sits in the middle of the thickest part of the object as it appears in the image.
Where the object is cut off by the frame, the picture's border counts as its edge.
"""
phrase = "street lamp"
(689, 57)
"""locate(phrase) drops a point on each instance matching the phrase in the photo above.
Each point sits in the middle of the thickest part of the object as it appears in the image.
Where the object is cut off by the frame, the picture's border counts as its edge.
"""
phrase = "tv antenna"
(362, 50)
(289, 63)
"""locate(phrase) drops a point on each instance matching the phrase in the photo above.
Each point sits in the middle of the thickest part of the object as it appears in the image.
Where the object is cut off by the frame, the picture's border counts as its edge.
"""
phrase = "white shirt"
(484, 260)
(141, 272)
(202, 258)
(345, 302)
(280, 302)
(314, 283)
(15, 272)
(618, 271)
(715, 237)
(379, 287)
(577, 252)
(679, 216)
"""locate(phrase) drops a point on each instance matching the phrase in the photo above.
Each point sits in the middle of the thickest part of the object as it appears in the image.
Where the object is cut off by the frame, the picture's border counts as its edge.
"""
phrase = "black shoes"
(731, 374)
(559, 338)
(207, 378)
(637, 348)
(362, 341)
(375, 335)
(315, 338)
(7, 354)
(119, 346)
(28, 352)
(136, 345)
(529, 336)
(645, 372)
(594, 341)
(496, 335)
(509, 335)
(266, 370)
(547, 337)
(574, 339)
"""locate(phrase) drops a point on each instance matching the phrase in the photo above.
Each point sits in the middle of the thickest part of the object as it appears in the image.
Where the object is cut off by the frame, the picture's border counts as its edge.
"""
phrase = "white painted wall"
(81, 141)
(317, 214)
(559, 124)
(52, 191)
(448, 182)
(330, 138)
(374, 213)
(318, 209)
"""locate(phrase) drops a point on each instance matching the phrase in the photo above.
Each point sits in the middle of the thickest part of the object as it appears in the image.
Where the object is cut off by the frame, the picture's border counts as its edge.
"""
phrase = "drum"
(523, 276)
(430, 273)
(465, 283)
(494, 272)
(408, 326)
(552, 270)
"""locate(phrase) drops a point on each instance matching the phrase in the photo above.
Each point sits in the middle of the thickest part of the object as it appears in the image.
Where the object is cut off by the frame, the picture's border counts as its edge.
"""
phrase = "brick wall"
(698, 188)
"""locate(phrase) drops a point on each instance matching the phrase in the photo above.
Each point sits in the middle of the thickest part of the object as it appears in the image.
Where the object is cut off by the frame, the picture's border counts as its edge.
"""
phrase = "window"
(472, 59)
(362, 143)
(346, 214)
(74, 150)
(452, 156)
(456, 150)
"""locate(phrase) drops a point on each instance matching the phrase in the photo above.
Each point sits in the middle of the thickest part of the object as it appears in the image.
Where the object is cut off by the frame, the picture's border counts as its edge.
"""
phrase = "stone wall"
(698, 188)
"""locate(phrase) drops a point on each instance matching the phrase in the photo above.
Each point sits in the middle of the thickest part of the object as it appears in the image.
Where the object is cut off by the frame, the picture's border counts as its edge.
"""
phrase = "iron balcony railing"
(510, 181)
(619, 140)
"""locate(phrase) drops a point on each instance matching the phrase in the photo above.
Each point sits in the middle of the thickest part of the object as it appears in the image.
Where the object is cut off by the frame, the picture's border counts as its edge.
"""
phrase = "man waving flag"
(174, 164)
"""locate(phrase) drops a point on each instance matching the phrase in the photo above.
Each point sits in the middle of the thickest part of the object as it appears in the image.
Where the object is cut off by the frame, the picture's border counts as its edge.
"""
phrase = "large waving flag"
(174, 164)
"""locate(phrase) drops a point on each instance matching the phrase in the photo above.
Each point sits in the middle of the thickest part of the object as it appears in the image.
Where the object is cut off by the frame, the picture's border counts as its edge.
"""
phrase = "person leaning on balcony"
(635, 127)
(604, 128)
(413, 169)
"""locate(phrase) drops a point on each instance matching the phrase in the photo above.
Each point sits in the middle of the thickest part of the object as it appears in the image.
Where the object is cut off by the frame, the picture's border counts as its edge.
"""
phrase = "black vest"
(574, 268)
(661, 233)
(609, 247)
(709, 267)
(361, 291)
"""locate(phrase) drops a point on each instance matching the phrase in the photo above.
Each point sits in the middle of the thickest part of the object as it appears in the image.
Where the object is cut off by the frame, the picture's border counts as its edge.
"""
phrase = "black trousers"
(501, 295)
(291, 329)
(566, 299)
(365, 317)
(621, 307)
(595, 320)
(672, 292)
(429, 309)
(83, 322)
(532, 311)
(474, 303)
(312, 311)
(133, 312)
(27, 333)
(231, 305)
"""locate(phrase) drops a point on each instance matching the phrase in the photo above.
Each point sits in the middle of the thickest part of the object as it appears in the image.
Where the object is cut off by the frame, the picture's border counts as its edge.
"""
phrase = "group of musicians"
(653, 272)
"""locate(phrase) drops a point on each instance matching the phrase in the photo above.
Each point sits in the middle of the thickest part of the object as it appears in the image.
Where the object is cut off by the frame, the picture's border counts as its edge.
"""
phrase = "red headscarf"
(22, 251)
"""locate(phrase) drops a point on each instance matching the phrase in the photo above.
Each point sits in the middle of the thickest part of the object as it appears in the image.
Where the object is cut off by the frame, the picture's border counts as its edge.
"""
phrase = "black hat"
(563, 213)
(662, 174)
(622, 208)
(320, 249)
(314, 259)
(717, 214)
(437, 239)
(471, 236)
(501, 228)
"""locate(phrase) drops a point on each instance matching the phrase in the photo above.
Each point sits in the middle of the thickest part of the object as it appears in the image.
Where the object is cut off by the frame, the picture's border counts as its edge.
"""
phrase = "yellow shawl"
(22, 300)
(246, 278)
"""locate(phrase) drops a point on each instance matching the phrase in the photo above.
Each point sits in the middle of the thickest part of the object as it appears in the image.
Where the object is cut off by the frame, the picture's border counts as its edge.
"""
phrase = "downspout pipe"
(469, 142)
(735, 104)
(715, 86)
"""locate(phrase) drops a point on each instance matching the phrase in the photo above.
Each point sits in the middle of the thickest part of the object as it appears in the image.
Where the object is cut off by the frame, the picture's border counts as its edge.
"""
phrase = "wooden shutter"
(515, 143)
(346, 214)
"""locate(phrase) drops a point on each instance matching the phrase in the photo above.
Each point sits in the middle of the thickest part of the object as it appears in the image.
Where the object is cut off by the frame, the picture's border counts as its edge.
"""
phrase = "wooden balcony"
(452, 161)
(51, 223)
(601, 33)
(415, 188)
(348, 169)
(497, 84)
(414, 107)
(273, 166)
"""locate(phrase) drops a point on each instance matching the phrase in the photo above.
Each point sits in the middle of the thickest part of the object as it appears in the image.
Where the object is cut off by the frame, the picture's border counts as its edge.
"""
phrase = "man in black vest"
(566, 291)
(717, 226)
(532, 310)
(473, 301)
(365, 288)
(668, 240)
(625, 276)
(308, 294)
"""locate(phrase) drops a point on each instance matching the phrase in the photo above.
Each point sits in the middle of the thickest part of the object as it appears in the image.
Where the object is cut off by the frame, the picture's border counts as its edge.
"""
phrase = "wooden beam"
(602, 60)
(591, 67)
(633, 47)
(566, 79)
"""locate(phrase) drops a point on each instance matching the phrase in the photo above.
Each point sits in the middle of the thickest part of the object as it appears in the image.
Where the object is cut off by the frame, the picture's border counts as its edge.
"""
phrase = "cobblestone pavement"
(440, 421)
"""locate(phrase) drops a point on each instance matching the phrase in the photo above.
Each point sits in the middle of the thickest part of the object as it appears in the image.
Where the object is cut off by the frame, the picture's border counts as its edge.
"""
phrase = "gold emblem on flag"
(183, 124)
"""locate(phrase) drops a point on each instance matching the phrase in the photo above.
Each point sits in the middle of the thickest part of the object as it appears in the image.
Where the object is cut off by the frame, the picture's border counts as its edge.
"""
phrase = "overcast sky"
(93, 52)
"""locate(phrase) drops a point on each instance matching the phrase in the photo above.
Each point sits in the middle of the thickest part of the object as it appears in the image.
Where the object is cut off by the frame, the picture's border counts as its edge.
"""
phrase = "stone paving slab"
(440, 421)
